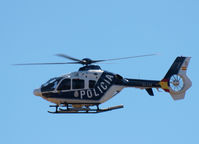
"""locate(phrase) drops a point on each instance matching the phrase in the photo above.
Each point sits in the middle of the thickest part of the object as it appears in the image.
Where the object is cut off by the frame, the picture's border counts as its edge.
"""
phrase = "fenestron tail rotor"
(84, 61)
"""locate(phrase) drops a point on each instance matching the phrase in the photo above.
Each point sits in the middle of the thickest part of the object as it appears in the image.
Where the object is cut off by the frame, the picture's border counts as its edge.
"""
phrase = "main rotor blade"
(96, 61)
(68, 57)
(46, 63)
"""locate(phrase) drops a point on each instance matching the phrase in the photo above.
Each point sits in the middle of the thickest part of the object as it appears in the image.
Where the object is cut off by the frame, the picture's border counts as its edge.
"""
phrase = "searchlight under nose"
(37, 92)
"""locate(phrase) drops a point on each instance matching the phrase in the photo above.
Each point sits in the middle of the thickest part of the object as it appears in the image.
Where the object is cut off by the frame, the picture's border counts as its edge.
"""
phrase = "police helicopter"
(84, 90)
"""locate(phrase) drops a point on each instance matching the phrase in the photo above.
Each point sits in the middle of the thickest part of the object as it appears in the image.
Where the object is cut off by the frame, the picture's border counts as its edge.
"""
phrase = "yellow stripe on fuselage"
(164, 85)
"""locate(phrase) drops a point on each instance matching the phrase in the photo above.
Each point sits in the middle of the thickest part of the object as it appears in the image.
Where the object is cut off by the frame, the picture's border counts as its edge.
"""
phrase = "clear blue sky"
(35, 30)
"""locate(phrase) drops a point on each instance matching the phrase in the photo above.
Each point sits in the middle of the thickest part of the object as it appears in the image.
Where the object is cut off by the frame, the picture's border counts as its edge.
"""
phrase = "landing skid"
(82, 110)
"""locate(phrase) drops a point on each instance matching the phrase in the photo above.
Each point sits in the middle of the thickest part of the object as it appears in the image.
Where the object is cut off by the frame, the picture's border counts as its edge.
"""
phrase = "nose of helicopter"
(37, 92)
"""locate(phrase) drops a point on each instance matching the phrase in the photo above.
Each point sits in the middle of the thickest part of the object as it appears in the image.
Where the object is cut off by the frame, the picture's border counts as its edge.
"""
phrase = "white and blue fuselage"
(90, 87)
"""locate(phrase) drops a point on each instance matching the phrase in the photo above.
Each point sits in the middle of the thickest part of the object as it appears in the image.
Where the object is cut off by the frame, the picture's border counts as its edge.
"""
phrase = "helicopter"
(84, 90)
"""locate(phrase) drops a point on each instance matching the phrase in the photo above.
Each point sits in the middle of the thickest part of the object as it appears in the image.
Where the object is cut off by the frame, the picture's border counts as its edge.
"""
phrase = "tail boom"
(175, 82)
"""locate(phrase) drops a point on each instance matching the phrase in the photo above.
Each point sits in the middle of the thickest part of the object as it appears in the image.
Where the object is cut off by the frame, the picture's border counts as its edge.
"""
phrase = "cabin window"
(78, 84)
(92, 83)
(65, 85)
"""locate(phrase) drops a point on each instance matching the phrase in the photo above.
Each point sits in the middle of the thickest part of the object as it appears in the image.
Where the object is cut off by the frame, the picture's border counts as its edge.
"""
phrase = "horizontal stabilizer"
(150, 91)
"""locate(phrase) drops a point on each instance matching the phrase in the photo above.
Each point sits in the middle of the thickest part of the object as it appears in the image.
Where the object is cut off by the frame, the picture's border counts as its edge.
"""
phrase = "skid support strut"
(66, 109)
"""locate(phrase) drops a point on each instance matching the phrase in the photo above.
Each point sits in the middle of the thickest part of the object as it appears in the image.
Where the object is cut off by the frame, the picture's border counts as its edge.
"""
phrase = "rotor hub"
(86, 61)
(176, 83)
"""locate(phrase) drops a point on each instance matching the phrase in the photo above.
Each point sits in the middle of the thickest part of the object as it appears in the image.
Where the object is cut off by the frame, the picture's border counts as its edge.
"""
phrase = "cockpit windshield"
(51, 84)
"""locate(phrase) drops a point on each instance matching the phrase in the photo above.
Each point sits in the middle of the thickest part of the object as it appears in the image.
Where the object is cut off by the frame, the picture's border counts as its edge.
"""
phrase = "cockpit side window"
(65, 85)
(50, 85)
(92, 83)
(78, 84)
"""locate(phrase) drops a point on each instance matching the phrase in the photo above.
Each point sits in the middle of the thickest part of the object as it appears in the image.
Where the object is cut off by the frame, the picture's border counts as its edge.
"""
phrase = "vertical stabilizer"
(176, 81)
